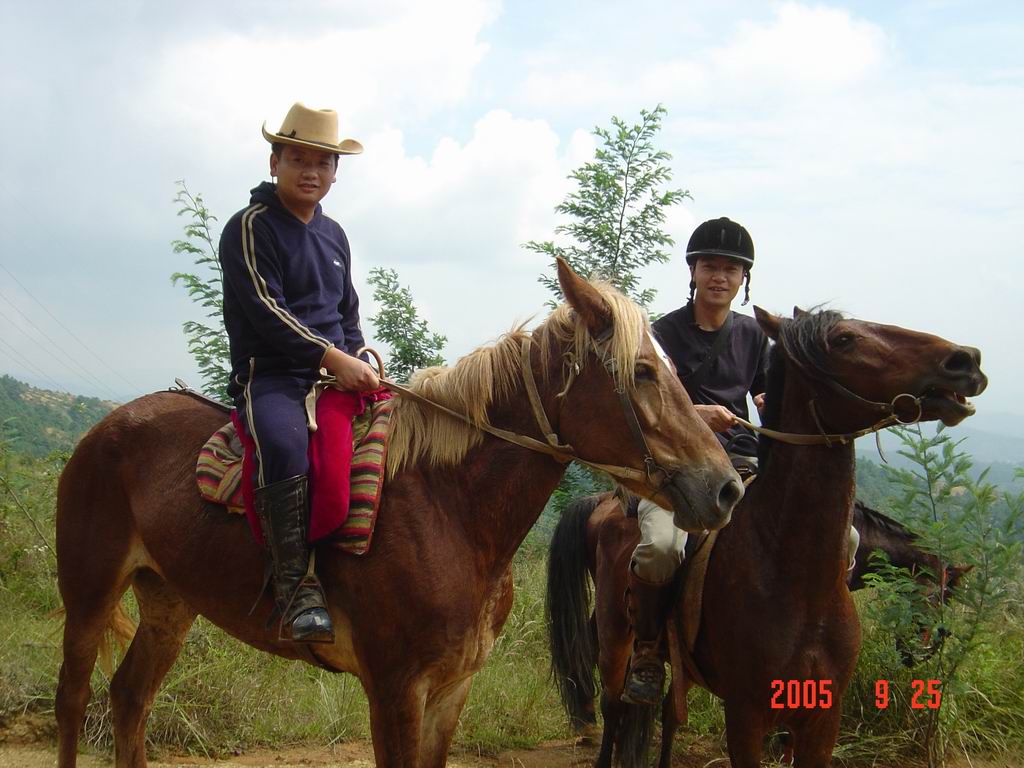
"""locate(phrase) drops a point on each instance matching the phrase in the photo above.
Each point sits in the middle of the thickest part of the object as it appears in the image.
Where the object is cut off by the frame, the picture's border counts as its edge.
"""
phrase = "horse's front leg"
(744, 733)
(814, 738)
(440, 717)
(396, 720)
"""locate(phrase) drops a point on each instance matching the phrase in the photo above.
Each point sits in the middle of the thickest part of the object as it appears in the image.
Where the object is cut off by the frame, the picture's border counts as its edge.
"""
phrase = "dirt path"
(29, 742)
(360, 755)
(350, 755)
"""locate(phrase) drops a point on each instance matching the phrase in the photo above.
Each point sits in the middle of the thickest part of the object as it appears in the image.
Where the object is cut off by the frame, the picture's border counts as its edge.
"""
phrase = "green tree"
(207, 340)
(398, 324)
(617, 210)
(956, 518)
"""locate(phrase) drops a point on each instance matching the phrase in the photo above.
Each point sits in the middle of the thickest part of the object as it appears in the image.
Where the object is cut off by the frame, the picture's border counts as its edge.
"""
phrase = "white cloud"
(800, 50)
(803, 47)
(469, 202)
(409, 63)
(866, 173)
(453, 224)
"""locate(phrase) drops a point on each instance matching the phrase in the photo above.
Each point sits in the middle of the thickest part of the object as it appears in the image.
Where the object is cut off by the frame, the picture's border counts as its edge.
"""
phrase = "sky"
(873, 150)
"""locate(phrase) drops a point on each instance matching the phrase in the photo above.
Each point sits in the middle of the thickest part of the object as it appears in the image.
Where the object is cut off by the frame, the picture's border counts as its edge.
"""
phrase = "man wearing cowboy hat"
(290, 310)
(721, 357)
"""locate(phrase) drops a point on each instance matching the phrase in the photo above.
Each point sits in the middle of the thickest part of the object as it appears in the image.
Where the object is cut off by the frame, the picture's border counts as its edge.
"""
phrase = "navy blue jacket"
(740, 367)
(288, 294)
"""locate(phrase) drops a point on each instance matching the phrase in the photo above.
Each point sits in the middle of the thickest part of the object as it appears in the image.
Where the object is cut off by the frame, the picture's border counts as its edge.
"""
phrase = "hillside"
(37, 421)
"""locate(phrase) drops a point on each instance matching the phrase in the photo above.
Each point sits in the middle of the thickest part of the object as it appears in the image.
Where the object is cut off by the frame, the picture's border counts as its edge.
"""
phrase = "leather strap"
(795, 438)
(695, 380)
(531, 390)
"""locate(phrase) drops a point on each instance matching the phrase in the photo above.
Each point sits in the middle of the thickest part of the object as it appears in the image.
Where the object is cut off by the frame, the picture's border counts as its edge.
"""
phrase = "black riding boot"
(648, 606)
(283, 511)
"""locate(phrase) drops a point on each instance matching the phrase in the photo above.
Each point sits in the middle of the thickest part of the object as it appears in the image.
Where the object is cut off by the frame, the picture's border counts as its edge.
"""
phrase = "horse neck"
(806, 498)
(504, 488)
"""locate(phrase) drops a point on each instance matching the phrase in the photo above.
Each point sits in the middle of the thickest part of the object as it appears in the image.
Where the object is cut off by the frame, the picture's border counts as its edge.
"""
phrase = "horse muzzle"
(703, 499)
(945, 397)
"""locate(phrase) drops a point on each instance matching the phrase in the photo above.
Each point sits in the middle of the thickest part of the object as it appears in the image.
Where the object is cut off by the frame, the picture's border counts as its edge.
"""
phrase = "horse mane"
(877, 519)
(803, 339)
(490, 374)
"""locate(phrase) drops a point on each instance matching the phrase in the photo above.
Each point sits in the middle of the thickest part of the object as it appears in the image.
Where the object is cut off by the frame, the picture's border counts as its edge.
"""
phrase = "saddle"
(220, 469)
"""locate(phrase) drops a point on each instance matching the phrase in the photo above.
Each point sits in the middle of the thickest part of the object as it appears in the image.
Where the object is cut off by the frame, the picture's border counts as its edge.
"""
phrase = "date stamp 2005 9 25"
(817, 694)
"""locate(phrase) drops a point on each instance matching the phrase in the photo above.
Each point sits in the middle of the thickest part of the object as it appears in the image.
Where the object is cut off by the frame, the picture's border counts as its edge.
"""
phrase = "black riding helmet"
(721, 237)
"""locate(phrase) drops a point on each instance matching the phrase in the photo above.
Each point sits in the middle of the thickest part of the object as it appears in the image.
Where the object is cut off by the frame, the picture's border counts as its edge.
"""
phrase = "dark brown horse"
(418, 614)
(880, 533)
(938, 579)
(777, 613)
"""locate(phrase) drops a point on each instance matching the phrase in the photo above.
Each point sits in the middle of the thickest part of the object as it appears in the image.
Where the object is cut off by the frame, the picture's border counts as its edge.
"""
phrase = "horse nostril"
(963, 360)
(729, 494)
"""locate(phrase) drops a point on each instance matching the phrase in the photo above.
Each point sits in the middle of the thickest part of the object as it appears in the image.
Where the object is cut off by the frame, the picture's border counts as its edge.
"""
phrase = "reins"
(890, 418)
(823, 438)
(561, 452)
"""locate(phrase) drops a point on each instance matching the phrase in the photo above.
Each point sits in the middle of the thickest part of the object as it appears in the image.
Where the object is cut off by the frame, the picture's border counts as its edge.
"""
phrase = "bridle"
(553, 446)
(887, 411)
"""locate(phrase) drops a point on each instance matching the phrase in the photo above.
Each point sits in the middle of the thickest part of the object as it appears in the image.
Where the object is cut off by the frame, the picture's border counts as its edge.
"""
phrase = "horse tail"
(120, 631)
(633, 738)
(572, 636)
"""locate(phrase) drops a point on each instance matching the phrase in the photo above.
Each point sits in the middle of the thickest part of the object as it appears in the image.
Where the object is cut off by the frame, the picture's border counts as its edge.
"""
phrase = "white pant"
(660, 551)
(662, 546)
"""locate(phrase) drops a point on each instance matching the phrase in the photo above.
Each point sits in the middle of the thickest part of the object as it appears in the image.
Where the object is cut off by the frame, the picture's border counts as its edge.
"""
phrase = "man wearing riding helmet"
(721, 357)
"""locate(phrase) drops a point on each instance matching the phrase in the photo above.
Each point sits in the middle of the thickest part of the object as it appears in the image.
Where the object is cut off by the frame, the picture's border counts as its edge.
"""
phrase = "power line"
(27, 364)
(59, 354)
(86, 347)
(71, 333)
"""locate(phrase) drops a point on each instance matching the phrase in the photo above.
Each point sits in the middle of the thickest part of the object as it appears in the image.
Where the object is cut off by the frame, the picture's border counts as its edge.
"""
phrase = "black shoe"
(313, 626)
(283, 512)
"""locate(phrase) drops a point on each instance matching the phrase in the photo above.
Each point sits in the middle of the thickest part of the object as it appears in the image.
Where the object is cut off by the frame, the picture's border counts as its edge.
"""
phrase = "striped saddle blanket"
(219, 473)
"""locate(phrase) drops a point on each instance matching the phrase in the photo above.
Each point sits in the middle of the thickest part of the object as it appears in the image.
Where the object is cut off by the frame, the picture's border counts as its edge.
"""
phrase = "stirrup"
(645, 685)
(321, 629)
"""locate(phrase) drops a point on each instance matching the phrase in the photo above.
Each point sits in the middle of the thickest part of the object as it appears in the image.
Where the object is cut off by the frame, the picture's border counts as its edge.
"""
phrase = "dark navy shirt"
(739, 368)
(288, 294)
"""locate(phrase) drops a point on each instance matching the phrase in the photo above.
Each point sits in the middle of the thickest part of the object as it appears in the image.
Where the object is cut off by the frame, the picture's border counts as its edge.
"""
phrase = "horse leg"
(440, 717)
(744, 732)
(611, 710)
(158, 640)
(612, 661)
(814, 739)
(669, 724)
(91, 577)
(396, 720)
(84, 626)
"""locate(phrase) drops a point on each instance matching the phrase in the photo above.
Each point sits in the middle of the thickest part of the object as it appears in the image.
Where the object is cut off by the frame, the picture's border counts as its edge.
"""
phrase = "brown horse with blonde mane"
(418, 614)
(777, 613)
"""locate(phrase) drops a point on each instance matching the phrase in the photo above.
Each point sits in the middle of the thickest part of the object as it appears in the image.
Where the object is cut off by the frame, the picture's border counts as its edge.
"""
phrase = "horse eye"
(842, 340)
(643, 372)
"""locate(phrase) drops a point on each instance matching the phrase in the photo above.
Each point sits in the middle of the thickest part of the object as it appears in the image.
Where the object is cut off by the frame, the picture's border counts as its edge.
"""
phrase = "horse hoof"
(312, 626)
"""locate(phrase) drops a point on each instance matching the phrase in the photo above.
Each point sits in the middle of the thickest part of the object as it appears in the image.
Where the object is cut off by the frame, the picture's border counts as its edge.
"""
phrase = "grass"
(222, 696)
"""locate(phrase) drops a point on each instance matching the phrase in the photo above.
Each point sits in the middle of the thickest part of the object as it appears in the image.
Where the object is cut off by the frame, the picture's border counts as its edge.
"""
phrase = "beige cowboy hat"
(314, 129)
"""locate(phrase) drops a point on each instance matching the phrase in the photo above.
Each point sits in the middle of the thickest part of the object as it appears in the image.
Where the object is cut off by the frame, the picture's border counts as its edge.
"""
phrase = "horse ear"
(769, 323)
(797, 312)
(584, 298)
